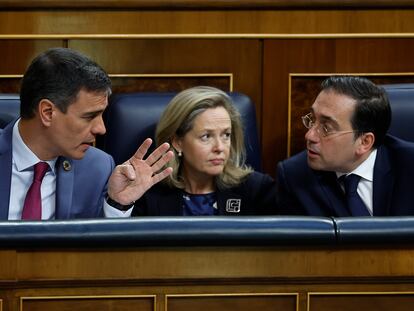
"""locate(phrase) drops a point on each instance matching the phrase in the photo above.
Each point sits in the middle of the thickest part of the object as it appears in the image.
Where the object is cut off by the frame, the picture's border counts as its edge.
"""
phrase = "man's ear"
(46, 111)
(176, 142)
(366, 143)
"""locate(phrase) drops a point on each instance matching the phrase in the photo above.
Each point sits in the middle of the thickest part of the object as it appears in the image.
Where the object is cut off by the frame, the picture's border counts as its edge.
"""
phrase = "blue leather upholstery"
(209, 231)
(170, 231)
(9, 108)
(130, 118)
(402, 105)
(375, 230)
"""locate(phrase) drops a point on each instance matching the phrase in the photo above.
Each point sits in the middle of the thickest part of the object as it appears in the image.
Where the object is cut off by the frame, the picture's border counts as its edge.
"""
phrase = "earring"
(180, 154)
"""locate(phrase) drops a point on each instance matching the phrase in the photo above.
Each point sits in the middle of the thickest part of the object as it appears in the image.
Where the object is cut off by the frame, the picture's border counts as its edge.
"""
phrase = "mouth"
(87, 144)
(217, 161)
(312, 153)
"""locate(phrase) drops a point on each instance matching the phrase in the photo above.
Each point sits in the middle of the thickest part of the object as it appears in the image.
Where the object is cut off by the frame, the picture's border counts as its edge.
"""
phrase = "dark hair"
(58, 75)
(372, 112)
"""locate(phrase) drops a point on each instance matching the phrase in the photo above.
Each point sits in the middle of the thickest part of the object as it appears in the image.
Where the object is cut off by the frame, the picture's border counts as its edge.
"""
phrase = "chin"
(315, 165)
(215, 172)
(78, 155)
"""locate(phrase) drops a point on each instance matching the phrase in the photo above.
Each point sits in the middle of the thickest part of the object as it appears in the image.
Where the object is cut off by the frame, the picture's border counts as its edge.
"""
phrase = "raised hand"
(130, 180)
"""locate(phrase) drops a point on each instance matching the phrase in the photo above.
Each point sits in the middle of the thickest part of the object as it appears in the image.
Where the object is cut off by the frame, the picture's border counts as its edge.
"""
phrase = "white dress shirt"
(366, 184)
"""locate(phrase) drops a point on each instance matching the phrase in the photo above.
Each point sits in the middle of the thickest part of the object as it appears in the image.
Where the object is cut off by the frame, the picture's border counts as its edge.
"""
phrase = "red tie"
(32, 208)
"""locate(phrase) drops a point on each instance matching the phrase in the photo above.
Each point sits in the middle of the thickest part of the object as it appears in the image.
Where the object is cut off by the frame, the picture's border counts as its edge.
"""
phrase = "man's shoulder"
(400, 151)
(94, 152)
(96, 158)
(296, 162)
(395, 143)
(256, 178)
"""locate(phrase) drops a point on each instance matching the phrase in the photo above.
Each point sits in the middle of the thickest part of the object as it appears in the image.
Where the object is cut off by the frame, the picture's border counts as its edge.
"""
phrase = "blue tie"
(355, 204)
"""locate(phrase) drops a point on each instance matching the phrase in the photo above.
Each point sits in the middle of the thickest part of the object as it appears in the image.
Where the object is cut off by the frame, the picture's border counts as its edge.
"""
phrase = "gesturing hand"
(130, 180)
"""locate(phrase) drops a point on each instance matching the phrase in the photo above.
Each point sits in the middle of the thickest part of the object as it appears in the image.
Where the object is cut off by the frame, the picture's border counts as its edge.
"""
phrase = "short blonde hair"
(178, 118)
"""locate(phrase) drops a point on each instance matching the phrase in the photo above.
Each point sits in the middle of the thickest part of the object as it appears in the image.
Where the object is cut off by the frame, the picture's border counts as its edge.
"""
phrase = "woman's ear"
(46, 110)
(176, 142)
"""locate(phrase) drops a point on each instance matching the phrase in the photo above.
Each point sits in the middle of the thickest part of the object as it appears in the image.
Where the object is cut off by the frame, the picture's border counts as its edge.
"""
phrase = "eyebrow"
(326, 118)
(213, 129)
(92, 113)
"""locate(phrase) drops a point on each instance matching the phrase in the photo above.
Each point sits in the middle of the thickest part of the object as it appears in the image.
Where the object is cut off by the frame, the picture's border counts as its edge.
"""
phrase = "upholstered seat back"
(9, 108)
(402, 105)
(130, 118)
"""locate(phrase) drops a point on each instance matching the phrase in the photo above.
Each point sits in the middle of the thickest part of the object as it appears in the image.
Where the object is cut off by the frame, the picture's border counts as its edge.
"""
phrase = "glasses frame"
(309, 123)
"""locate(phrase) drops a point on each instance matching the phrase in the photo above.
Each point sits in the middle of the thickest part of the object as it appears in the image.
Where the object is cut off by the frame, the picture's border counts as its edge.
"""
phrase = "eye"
(90, 117)
(227, 135)
(327, 128)
(205, 137)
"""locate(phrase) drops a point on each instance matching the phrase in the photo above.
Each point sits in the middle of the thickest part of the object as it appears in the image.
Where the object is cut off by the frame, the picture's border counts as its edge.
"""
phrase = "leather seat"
(401, 98)
(9, 108)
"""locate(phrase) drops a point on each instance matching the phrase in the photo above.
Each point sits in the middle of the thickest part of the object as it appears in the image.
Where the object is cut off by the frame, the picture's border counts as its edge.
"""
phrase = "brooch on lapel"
(66, 165)
(233, 205)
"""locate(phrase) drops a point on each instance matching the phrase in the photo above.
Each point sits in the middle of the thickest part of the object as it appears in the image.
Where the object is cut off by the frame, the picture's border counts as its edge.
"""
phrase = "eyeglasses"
(322, 129)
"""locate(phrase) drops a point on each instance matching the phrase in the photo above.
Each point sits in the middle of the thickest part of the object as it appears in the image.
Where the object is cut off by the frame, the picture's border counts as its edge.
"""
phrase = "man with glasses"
(351, 166)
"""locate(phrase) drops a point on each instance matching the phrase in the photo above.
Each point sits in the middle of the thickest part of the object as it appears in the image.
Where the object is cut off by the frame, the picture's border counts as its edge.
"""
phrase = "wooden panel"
(193, 21)
(8, 262)
(361, 301)
(212, 263)
(201, 3)
(194, 278)
(172, 83)
(232, 302)
(88, 303)
(16, 55)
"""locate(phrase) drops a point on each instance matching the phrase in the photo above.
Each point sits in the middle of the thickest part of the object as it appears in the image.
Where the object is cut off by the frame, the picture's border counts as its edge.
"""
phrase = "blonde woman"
(209, 173)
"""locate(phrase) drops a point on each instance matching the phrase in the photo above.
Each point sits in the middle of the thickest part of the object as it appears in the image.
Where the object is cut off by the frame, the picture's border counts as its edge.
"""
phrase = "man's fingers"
(127, 170)
(142, 150)
(163, 161)
(160, 176)
(157, 153)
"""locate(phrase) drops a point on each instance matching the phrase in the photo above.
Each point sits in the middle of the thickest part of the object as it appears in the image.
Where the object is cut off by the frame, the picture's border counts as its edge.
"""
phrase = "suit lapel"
(5, 169)
(383, 183)
(333, 193)
(64, 188)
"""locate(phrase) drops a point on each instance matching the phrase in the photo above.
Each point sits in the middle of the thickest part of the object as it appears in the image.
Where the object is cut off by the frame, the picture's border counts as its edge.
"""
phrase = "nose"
(218, 145)
(98, 127)
(312, 134)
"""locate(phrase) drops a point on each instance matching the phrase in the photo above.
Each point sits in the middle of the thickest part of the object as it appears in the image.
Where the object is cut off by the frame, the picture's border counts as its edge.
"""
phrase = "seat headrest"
(9, 108)
(401, 98)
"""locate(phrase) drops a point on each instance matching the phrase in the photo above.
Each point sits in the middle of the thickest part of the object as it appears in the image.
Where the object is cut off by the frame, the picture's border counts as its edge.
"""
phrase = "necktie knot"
(40, 170)
(351, 184)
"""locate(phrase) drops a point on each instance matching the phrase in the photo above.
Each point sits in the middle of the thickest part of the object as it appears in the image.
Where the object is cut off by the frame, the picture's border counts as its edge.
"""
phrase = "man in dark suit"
(63, 96)
(351, 167)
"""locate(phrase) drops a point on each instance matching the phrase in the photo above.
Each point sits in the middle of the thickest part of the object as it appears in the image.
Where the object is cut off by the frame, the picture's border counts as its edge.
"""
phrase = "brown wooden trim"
(204, 4)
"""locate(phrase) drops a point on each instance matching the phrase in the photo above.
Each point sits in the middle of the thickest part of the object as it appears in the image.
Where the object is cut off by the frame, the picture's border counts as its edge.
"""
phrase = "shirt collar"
(365, 169)
(23, 157)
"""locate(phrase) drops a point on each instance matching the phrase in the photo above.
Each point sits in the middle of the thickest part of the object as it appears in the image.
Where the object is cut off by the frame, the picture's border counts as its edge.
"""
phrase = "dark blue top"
(199, 204)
